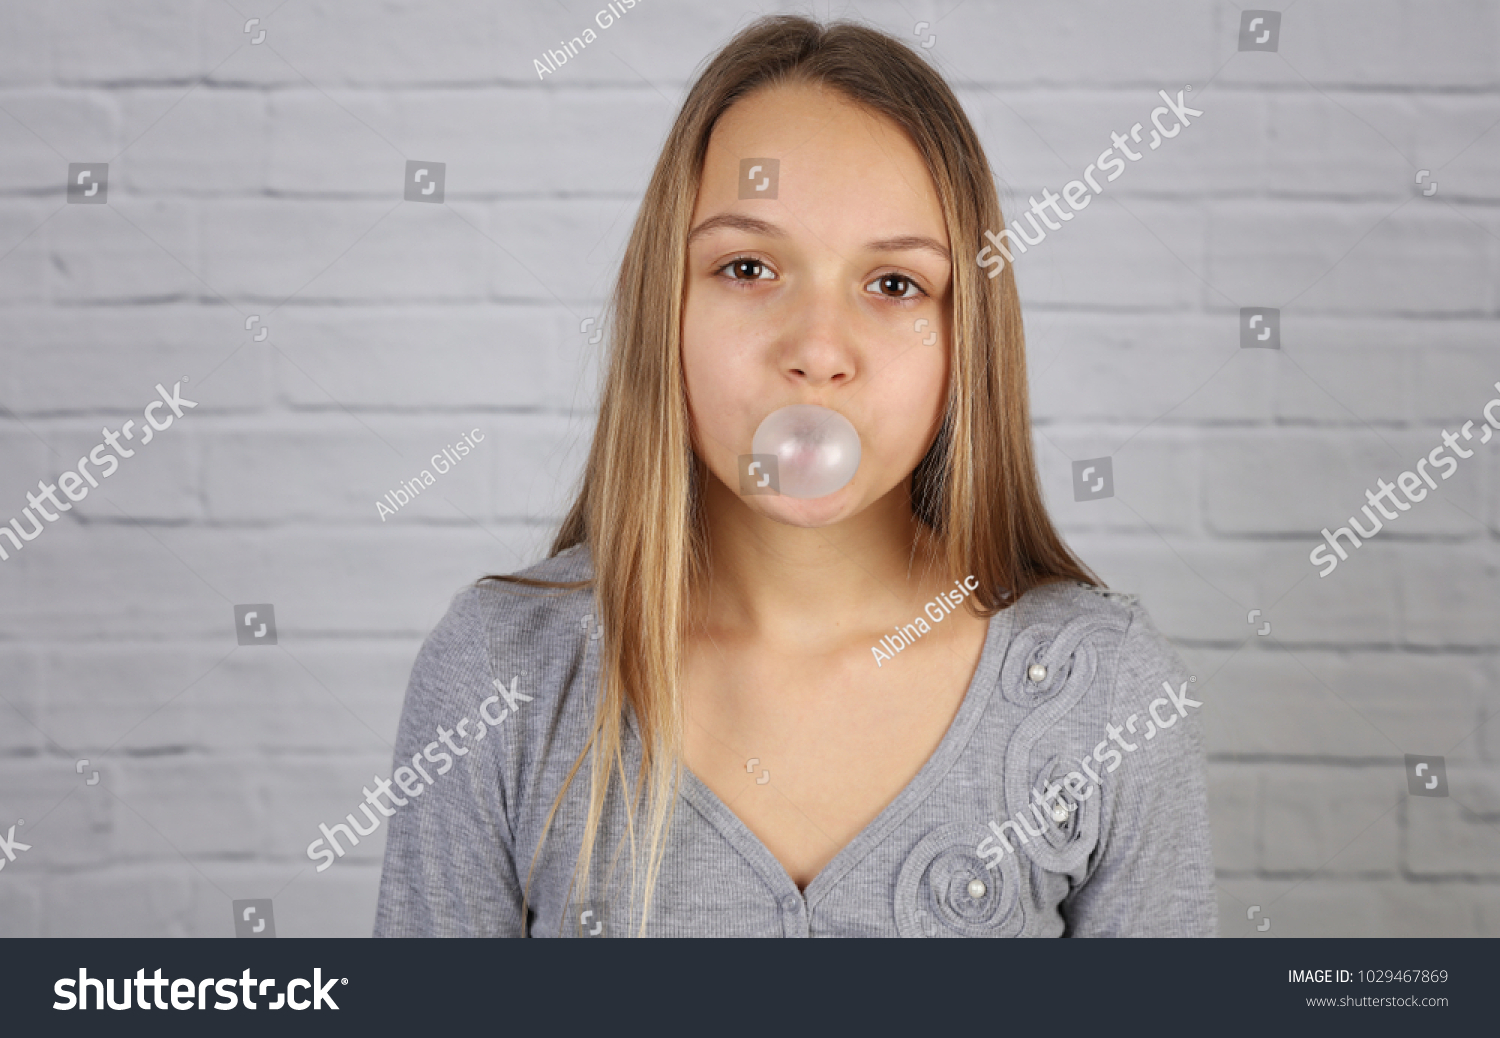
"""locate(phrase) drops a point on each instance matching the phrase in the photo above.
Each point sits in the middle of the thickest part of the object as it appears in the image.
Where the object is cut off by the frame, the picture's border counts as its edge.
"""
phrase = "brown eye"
(895, 286)
(747, 269)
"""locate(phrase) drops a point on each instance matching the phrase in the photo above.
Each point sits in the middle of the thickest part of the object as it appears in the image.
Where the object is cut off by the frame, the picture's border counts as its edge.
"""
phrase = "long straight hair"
(638, 507)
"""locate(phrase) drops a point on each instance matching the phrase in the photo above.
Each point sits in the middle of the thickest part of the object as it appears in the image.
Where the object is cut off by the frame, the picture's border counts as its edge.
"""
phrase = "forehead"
(833, 158)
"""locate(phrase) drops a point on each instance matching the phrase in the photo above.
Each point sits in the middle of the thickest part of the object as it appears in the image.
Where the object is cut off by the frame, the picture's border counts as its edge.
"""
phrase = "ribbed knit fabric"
(1129, 856)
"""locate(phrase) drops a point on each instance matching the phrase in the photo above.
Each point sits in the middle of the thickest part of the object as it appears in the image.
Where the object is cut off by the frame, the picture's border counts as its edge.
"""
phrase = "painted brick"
(1449, 594)
(1338, 907)
(345, 465)
(1360, 258)
(94, 359)
(1139, 254)
(21, 909)
(1299, 482)
(1036, 137)
(1279, 700)
(283, 249)
(47, 124)
(188, 805)
(470, 359)
(1063, 45)
(270, 185)
(131, 900)
(407, 45)
(1457, 835)
(1351, 42)
(149, 250)
(1145, 370)
(205, 142)
(27, 269)
(20, 701)
(26, 46)
(1331, 821)
(306, 794)
(67, 822)
(97, 41)
(1312, 138)
(1155, 481)
(1234, 806)
(338, 903)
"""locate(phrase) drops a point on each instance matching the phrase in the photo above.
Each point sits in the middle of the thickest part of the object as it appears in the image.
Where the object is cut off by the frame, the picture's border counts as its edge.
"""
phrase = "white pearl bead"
(976, 888)
(1036, 672)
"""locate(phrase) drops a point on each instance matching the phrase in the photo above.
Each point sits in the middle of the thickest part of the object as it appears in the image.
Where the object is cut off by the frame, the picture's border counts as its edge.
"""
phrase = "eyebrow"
(752, 225)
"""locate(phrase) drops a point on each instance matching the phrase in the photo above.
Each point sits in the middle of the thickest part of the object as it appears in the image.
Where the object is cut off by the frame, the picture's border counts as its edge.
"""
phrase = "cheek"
(702, 362)
(715, 378)
(905, 408)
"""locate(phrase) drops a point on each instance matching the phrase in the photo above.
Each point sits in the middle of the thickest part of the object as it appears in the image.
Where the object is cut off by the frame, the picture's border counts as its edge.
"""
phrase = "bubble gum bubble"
(817, 449)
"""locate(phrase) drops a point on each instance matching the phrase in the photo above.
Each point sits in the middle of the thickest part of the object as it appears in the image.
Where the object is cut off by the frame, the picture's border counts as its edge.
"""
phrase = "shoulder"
(1128, 653)
(1116, 612)
(1076, 614)
(503, 631)
(1063, 600)
(505, 610)
(488, 608)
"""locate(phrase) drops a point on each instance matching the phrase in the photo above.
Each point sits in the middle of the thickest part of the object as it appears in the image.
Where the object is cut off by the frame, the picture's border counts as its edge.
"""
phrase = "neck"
(795, 585)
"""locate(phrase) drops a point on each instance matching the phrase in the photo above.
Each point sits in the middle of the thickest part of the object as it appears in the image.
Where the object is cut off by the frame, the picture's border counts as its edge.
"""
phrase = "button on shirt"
(989, 839)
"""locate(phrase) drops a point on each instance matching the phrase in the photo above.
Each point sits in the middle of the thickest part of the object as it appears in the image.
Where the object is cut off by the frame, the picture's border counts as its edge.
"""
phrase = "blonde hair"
(638, 508)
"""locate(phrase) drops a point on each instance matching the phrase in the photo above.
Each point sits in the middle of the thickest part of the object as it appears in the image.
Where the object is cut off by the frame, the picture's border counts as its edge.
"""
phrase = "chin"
(809, 513)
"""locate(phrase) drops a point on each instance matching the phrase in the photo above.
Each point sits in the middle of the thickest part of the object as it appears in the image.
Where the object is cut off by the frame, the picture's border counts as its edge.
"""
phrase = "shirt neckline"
(955, 739)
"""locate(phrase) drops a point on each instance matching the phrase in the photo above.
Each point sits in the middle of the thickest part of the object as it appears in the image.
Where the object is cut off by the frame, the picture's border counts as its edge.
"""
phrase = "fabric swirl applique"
(944, 889)
(1050, 669)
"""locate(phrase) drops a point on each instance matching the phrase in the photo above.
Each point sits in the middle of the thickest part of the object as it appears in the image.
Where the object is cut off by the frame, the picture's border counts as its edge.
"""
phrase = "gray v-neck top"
(1070, 679)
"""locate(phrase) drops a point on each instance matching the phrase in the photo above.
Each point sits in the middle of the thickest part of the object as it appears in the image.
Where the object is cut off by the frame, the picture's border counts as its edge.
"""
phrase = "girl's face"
(828, 287)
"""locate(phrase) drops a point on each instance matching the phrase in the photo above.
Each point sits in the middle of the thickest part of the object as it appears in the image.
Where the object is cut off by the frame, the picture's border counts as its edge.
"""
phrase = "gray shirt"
(1070, 679)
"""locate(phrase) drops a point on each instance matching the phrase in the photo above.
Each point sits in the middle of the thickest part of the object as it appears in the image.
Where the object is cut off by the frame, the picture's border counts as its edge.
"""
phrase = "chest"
(807, 745)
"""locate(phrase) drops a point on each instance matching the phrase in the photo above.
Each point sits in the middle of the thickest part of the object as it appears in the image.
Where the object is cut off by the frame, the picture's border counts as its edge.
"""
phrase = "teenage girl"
(900, 708)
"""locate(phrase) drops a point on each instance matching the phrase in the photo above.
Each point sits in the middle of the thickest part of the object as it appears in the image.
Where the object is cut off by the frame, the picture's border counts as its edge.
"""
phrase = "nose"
(820, 350)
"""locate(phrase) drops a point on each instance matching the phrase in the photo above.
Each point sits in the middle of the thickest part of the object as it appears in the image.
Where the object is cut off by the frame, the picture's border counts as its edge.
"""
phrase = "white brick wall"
(264, 180)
